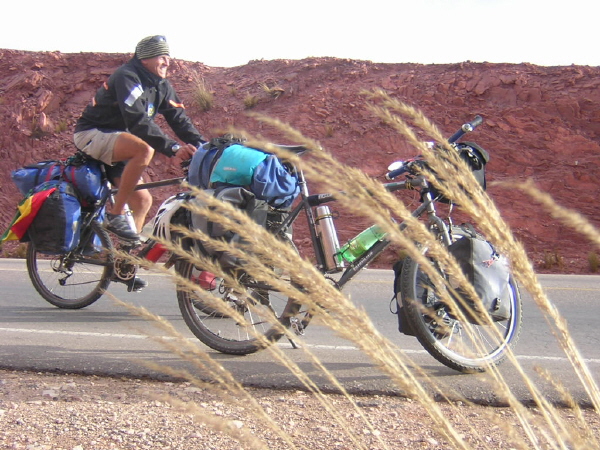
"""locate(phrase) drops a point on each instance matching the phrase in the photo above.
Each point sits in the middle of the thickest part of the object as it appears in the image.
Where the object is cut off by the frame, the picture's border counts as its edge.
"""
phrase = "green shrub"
(250, 101)
(202, 95)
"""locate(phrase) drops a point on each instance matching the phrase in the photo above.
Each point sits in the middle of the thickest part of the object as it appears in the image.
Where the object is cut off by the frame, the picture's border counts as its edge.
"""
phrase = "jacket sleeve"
(174, 112)
(129, 92)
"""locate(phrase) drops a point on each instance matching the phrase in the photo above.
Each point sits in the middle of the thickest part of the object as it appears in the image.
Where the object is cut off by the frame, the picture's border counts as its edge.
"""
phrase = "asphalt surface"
(106, 339)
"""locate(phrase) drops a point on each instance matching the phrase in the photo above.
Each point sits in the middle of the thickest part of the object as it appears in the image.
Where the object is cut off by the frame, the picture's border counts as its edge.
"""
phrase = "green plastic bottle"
(361, 243)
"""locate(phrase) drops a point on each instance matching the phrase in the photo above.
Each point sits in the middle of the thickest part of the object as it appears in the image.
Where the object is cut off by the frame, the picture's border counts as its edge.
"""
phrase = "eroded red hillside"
(540, 122)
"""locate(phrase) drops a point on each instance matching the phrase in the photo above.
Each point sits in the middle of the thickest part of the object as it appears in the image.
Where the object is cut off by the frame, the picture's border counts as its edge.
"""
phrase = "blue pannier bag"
(57, 225)
(32, 175)
(261, 173)
(236, 165)
(85, 175)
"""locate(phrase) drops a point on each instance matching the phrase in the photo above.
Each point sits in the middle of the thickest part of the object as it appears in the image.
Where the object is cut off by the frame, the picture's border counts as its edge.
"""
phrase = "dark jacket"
(130, 99)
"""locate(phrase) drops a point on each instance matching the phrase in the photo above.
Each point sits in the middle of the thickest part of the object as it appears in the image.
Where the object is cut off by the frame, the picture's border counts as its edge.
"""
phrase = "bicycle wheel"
(260, 306)
(462, 346)
(73, 280)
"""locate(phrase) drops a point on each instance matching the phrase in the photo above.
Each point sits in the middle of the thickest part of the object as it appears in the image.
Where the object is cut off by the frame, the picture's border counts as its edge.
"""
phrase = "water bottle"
(356, 247)
(129, 217)
(329, 240)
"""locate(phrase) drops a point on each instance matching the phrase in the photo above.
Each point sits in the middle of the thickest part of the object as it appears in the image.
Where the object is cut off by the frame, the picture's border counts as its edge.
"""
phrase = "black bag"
(241, 199)
(489, 274)
(476, 158)
(56, 227)
(404, 325)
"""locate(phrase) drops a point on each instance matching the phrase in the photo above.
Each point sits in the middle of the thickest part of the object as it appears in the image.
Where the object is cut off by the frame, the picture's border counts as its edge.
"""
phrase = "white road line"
(313, 346)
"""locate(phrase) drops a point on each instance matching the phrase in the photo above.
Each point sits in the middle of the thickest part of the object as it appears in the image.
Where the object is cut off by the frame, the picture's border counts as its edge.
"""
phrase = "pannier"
(82, 172)
(489, 274)
(57, 225)
(241, 199)
(229, 163)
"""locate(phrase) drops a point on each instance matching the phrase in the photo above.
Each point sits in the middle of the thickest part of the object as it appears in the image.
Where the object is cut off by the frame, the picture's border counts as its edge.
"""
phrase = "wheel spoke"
(71, 281)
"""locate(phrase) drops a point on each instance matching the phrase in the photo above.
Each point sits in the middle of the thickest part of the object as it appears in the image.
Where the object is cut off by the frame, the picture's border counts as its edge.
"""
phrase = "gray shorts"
(98, 144)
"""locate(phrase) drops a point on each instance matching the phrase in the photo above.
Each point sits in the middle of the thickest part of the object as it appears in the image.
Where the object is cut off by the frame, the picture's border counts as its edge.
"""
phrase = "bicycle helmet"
(160, 226)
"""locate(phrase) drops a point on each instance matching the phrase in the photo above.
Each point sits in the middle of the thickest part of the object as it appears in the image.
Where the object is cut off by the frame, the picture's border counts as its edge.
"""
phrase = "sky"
(228, 33)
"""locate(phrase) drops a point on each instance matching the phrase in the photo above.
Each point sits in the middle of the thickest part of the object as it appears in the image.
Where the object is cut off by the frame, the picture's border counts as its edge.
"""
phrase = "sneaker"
(118, 225)
(135, 284)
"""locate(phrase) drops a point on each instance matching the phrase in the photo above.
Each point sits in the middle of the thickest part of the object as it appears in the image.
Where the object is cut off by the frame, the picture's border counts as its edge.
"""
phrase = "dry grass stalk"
(566, 216)
(229, 386)
(381, 358)
(337, 312)
(587, 434)
(480, 206)
(202, 93)
(483, 202)
(275, 91)
(294, 368)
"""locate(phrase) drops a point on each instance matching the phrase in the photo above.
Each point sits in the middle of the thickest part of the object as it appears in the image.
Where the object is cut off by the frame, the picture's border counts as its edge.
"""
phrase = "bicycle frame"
(308, 202)
(87, 232)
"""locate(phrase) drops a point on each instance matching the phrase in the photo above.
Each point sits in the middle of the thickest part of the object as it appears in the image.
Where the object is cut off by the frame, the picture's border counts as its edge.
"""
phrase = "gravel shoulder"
(72, 412)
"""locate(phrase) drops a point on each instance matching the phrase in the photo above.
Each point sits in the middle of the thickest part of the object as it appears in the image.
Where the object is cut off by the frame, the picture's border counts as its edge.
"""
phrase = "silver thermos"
(329, 240)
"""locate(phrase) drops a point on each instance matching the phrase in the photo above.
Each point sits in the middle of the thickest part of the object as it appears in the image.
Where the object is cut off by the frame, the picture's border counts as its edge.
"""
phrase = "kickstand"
(294, 345)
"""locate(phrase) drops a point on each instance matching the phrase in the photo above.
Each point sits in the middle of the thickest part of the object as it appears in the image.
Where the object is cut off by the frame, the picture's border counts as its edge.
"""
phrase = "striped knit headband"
(152, 46)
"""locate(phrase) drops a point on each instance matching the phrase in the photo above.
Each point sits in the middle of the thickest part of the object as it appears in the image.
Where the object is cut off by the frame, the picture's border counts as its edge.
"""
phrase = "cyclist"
(118, 127)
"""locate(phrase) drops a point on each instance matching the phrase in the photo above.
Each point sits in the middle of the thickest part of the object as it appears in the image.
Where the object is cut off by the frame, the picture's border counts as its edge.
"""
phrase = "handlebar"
(396, 172)
(464, 129)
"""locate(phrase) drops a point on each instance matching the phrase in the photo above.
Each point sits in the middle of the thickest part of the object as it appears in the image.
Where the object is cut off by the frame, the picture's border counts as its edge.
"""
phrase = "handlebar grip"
(394, 173)
(478, 120)
(466, 128)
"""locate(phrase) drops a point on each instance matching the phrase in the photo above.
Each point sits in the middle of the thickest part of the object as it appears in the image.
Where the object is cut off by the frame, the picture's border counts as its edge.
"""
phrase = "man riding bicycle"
(118, 128)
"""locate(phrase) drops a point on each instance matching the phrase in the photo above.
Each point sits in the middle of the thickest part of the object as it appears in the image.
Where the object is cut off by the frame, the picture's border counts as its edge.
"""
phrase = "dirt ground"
(40, 411)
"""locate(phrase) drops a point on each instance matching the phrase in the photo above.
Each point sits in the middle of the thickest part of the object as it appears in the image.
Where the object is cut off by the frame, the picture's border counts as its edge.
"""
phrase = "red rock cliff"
(540, 122)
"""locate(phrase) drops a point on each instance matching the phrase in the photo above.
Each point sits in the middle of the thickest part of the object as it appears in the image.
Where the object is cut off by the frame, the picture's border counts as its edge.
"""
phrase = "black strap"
(213, 163)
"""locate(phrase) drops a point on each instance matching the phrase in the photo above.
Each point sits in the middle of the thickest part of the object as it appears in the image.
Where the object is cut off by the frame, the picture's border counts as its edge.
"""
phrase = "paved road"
(106, 339)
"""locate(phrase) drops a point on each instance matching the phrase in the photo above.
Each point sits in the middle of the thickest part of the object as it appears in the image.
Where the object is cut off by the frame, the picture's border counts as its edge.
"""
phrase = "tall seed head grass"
(365, 197)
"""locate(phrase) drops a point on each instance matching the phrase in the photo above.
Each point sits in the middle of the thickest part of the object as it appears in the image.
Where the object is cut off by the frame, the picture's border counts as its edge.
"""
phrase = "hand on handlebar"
(184, 155)
(187, 151)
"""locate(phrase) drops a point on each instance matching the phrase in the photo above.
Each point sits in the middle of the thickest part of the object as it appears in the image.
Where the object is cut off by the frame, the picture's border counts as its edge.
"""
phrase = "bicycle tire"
(464, 347)
(220, 331)
(72, 280)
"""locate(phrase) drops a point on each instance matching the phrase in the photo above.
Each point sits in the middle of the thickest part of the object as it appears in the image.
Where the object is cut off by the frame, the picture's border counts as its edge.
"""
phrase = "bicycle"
(78, 278)
(440, 332)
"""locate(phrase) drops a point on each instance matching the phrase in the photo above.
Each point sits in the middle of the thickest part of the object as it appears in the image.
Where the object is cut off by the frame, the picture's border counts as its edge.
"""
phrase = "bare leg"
(140, 203)
(138, 155)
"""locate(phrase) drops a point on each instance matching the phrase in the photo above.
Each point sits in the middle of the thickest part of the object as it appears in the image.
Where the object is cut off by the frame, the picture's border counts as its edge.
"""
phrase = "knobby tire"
(218, 330)
(461, 346)
(74, 280)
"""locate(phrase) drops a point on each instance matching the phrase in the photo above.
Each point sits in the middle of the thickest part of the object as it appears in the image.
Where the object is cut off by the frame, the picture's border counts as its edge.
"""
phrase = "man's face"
(157, 65)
